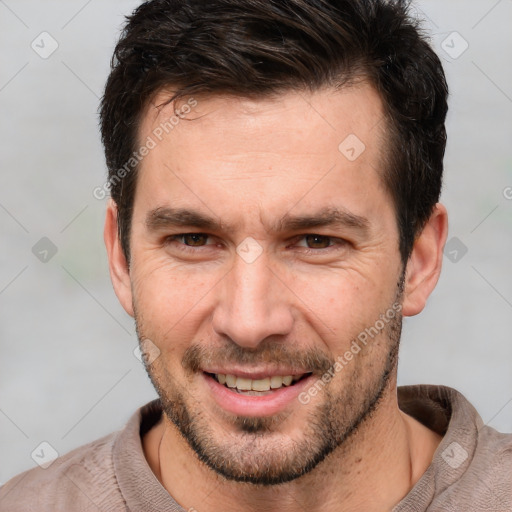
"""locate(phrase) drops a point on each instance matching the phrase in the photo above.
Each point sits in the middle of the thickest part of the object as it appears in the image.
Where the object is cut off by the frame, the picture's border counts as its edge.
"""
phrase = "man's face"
(261, 249)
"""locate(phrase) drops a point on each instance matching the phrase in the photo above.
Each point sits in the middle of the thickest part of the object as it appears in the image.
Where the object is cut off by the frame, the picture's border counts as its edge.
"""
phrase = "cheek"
(339, 305)
(170, 301)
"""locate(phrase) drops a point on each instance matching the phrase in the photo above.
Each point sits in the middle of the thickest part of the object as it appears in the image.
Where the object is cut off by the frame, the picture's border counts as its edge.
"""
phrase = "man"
(275, 169)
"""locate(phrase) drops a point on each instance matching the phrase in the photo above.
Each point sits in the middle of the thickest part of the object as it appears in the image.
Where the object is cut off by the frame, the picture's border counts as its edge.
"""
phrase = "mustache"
(197, 357)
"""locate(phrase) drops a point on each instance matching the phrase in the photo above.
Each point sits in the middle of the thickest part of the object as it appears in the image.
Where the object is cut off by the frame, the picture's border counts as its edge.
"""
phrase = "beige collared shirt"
(471, 470)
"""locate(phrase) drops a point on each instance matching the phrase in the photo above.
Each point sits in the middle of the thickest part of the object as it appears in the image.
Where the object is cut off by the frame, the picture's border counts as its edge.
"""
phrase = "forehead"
(357, 107)
(295, 147)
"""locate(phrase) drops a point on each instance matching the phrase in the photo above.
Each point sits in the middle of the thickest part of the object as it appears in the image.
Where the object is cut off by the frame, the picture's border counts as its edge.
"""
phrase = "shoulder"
(82, 480)
(472, 467)
(493, 460)
(486, 482)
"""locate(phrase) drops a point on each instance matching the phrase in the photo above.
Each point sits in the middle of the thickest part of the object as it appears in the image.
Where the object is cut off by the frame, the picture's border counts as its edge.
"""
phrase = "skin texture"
(249, 164)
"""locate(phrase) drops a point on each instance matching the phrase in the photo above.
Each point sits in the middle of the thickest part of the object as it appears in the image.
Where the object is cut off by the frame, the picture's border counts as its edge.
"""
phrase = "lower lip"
(250, 405)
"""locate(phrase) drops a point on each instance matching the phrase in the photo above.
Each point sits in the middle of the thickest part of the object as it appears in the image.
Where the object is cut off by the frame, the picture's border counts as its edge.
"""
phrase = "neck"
(372, 471)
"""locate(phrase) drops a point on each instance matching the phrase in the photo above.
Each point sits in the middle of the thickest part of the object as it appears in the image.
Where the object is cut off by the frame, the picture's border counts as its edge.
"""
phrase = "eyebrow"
(165, 217)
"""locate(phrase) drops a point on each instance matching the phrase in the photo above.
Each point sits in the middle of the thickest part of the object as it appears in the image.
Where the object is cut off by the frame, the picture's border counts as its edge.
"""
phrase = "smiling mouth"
(256, 387)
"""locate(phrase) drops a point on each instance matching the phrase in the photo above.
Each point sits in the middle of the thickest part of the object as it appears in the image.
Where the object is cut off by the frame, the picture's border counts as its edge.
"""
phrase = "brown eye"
(194, 239)
(318, 241)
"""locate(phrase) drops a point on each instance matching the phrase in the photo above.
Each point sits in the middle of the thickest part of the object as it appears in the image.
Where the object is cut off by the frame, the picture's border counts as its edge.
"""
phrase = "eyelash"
(334, 243)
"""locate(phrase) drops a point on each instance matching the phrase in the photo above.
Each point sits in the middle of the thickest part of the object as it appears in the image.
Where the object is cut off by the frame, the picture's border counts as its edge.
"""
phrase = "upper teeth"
(265, 384)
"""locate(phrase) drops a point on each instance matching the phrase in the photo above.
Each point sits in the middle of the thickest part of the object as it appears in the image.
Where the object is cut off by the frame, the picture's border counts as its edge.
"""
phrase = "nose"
(253, 304)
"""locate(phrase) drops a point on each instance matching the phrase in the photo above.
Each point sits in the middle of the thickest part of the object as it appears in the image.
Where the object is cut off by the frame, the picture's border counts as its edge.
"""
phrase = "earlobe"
(118, 266)
(425, 262)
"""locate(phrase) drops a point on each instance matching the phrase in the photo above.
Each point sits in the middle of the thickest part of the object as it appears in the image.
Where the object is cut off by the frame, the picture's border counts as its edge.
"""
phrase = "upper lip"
(256, 374)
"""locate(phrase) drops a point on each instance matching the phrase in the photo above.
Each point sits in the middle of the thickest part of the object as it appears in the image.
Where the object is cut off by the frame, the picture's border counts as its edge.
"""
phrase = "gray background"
(67, 370)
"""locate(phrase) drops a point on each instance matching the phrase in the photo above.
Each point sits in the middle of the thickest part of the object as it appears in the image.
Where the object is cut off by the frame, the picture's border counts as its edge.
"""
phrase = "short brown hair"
(253, 48)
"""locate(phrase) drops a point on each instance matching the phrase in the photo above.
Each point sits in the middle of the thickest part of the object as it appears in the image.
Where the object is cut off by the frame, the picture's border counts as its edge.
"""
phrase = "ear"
(424, 264)
(119, 272)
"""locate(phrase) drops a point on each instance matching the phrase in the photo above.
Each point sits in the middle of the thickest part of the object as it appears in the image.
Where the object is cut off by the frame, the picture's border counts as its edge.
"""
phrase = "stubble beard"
(255, 452)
